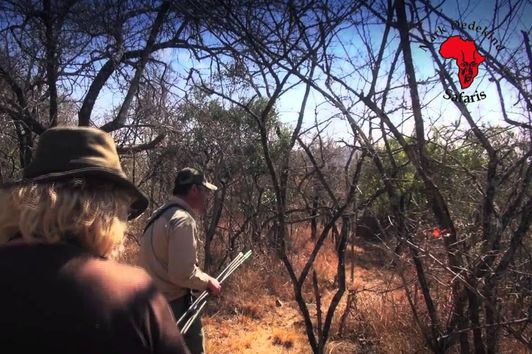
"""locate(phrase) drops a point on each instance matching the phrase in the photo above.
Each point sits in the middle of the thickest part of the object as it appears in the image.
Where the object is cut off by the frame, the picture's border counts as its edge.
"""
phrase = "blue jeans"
(194, 337)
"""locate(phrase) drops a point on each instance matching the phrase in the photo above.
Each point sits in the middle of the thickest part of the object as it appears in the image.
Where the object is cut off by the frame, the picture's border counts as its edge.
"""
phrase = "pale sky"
(486, 111)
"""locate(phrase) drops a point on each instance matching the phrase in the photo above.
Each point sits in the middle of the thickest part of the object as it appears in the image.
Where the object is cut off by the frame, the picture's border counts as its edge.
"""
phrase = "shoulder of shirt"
(181, 217)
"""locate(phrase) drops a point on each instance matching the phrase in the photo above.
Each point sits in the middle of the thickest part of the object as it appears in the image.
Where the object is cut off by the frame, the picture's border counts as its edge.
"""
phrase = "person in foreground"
(168, 249)
(59, 292)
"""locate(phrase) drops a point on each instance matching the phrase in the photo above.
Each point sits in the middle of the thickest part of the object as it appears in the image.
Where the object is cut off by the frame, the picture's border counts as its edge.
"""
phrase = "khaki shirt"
(168, 251)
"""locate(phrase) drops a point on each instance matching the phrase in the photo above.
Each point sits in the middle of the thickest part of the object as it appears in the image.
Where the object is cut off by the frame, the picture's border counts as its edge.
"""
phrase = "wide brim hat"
(83, 152)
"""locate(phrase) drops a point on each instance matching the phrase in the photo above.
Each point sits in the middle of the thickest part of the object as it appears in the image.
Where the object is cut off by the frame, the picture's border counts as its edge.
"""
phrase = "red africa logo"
(467, 58)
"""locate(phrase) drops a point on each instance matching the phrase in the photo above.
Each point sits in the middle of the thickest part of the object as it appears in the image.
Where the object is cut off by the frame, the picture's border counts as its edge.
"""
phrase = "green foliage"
(457, 164)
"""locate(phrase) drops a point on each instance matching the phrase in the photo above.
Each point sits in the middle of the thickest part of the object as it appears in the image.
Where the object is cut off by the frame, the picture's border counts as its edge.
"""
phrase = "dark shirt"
(60, 299)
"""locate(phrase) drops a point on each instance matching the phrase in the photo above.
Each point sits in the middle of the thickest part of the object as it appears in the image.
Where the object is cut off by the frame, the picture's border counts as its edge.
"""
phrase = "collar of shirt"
(184, 204)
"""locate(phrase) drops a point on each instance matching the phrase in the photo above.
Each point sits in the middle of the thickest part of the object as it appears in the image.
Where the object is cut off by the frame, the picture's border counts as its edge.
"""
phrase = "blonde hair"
(92, 215)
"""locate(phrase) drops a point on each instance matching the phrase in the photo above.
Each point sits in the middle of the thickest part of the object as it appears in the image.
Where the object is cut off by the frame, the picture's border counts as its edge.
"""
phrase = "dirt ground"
(269, 322)
(279, 331)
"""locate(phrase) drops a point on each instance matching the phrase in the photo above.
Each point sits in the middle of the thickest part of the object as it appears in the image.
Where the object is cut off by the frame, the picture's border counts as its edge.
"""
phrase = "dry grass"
(341, 347)
(242, 334)
(382, 324)
(257, 313)
(284, 338)
(379, 322)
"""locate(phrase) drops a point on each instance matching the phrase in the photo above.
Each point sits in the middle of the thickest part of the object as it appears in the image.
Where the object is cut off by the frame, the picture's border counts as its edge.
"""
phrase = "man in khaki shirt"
(168, 249)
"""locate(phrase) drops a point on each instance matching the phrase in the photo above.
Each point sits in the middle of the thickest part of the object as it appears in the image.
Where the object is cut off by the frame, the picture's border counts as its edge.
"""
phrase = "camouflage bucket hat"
(192, 176)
